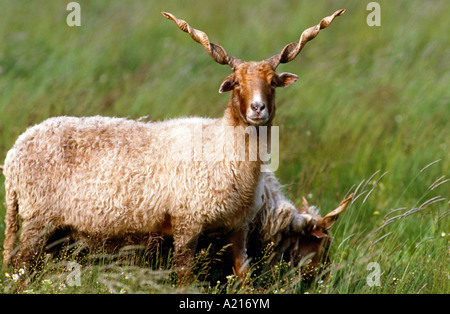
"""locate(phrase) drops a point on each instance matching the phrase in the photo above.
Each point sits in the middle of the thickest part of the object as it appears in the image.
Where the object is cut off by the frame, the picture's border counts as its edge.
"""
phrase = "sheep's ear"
(227, 84)
(285, 79)
(331, 217)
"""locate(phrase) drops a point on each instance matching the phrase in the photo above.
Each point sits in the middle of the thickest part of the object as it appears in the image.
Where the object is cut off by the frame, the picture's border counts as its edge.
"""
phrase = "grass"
(370, 114)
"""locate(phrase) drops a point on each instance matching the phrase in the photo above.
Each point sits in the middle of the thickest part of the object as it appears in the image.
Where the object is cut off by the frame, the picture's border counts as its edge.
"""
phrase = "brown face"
(312, 252)
(311, 249)
(308, 250)
(253, 90)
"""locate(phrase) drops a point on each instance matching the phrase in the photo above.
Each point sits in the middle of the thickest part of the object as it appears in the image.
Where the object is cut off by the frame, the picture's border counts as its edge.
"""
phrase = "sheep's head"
(252, 87)
(253, 84)
(311, 248)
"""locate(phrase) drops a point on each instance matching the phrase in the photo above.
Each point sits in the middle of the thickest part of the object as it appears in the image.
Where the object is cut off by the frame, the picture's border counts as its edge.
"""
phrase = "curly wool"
(278, 215)
(107, 177)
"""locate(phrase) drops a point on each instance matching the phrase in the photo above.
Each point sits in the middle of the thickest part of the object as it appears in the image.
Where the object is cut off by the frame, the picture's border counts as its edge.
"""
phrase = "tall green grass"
(370, 101)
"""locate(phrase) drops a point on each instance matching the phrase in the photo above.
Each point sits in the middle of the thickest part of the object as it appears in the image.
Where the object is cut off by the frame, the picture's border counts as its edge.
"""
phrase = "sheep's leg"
(12, 225)
(33, 236)
(238, 239)
(185, 245)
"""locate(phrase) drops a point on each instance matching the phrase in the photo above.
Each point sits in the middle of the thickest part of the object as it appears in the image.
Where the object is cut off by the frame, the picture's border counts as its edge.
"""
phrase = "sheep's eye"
(273, 82)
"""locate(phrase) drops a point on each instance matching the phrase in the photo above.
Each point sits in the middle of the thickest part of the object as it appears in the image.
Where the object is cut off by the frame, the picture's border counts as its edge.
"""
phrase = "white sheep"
(280, 224)
(108, 177)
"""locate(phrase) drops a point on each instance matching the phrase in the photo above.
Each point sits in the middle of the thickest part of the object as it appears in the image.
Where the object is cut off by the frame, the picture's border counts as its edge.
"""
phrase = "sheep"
(279, 223)
(109, 177)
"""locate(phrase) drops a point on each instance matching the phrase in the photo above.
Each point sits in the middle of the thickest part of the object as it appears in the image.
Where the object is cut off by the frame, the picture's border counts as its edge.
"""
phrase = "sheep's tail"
(12, 224)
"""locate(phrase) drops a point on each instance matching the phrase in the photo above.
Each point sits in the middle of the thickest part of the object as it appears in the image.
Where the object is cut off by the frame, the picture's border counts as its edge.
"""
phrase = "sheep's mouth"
(257, 120)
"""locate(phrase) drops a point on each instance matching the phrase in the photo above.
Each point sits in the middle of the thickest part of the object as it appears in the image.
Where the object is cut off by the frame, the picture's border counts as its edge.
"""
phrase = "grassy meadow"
(370, 114)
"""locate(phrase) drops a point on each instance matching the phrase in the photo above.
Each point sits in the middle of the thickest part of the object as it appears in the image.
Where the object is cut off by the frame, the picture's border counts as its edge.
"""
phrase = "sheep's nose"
(257, 107)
